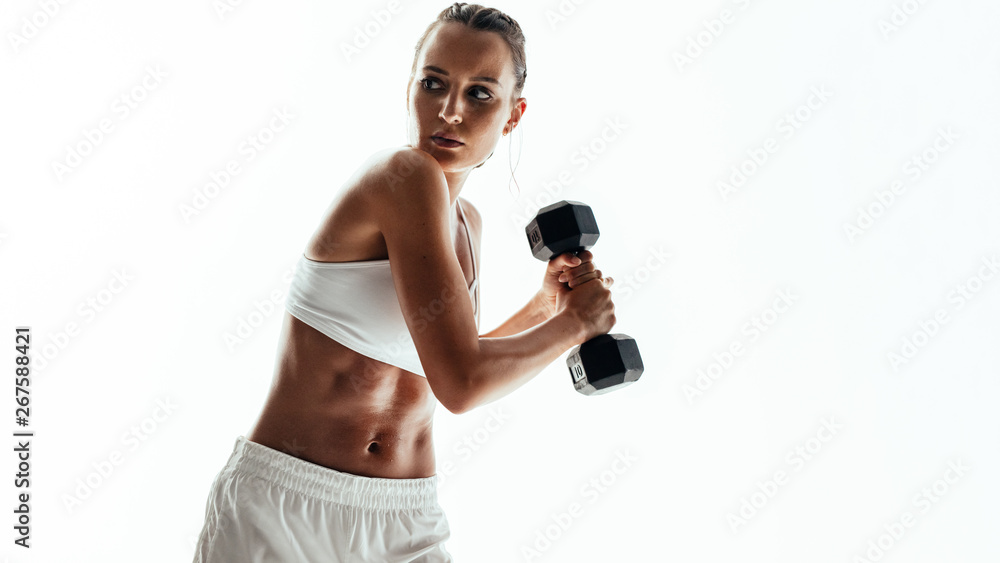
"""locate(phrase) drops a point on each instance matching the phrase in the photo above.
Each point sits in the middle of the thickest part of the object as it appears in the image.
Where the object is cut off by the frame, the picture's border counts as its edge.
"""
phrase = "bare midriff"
(334, 407)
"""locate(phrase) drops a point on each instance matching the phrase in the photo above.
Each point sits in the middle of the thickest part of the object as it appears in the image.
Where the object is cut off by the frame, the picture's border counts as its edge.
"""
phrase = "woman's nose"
(452, 109)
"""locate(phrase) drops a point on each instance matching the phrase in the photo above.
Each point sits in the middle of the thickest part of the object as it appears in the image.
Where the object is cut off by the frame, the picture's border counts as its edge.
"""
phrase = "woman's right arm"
(463, 370)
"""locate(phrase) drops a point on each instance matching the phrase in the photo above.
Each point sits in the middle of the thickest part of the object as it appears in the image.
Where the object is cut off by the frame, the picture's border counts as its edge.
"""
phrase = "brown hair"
(483, 19)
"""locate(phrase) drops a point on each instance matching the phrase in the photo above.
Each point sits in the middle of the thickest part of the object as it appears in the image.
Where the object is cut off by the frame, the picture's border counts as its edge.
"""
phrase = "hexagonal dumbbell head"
(564, 226)
(604, 363)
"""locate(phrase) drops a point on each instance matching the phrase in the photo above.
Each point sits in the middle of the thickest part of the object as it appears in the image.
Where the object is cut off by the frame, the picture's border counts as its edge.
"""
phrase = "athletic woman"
(382, 324)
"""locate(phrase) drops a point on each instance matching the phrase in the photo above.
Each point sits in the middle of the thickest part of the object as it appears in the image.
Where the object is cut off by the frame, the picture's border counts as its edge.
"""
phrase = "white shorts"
(268, 506)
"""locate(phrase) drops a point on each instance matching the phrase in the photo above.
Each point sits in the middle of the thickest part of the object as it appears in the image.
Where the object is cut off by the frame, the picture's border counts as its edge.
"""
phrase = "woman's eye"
(425, 82)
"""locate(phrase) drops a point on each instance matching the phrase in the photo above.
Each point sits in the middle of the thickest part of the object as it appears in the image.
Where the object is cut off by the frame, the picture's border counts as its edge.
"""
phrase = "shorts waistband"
(327, 484)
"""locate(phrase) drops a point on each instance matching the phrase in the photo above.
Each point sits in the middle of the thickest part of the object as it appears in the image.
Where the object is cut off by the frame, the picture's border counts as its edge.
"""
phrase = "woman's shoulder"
(392, 166)
(399, 163)
(361, 204)
(386, 172)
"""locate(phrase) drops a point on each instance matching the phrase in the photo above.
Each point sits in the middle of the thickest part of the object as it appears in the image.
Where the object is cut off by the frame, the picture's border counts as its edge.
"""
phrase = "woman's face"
(461, 89)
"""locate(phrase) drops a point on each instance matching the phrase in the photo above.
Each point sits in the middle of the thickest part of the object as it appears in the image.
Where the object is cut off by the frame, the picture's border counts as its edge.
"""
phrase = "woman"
(382, 323)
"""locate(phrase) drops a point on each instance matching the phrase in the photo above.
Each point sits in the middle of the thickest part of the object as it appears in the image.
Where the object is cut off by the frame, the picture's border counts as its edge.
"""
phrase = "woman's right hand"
(590, 304)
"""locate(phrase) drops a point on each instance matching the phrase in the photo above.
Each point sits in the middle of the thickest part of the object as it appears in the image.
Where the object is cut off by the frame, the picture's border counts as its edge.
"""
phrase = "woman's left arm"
(542, 304)
(560, 273)
(527, 317)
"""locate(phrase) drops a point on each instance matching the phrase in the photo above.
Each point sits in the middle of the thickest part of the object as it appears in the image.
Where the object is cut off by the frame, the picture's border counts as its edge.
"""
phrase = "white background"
(696, 457)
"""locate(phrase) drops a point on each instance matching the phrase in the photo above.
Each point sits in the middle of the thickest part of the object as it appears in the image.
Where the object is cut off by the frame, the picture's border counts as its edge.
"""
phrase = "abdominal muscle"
(334, 407)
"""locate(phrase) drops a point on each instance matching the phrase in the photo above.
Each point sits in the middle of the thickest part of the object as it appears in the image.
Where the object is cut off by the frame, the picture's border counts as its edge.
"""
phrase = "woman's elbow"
(457, 407)
(454, 392)
(455, 404)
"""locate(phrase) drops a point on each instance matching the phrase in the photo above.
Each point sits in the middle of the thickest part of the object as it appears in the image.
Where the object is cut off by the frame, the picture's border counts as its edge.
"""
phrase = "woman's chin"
(442, 155)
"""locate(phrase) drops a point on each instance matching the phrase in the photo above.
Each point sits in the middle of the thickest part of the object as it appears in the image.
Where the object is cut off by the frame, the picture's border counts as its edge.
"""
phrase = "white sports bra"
(355, 303)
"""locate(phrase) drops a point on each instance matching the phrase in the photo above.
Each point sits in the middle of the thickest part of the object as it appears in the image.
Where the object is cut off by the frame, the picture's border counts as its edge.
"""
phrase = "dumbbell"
(606, 362)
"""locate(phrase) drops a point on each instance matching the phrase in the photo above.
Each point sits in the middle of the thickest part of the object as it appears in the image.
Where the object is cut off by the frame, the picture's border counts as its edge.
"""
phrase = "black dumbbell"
(606, 362)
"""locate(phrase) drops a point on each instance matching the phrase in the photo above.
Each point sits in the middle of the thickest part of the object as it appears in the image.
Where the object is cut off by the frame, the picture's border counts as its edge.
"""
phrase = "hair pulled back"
(482, 18)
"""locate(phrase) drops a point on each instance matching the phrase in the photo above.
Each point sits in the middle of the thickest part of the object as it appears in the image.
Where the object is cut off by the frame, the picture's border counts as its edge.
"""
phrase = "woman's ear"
(516, 113)
(520, 106)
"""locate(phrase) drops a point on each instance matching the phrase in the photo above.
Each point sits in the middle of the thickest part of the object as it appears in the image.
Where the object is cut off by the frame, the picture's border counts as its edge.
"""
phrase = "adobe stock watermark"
(591, 491)
(247, 324)
(223, 514)
(752, 330)
(370, 376)
(463, 450)
(900, 15)
(698, 43)
(225, 7)
(363, 35)
(31, 26)
(250, 149)
(123, 106)
(561, 12)
(88, 310)
(795, 460)
(629, 284)
(401, 165)
(958, 297)
(914, 169)
(131, 439)
(922, 502)
(787, 126)
(581, 159)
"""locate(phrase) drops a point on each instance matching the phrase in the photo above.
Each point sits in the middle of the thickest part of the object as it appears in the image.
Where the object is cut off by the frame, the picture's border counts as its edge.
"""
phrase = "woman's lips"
(446, 143)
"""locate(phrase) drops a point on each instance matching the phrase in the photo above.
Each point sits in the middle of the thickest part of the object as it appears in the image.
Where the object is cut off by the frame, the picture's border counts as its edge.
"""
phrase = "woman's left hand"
(563, 273)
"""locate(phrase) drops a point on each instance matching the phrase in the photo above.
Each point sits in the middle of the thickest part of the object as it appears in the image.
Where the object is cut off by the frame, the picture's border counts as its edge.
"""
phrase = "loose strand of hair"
(520, 145)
